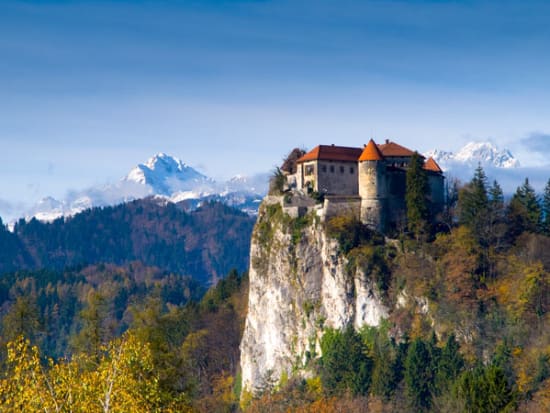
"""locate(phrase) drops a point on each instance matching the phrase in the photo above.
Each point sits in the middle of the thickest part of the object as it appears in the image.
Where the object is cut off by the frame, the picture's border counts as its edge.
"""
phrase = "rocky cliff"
(300, 284)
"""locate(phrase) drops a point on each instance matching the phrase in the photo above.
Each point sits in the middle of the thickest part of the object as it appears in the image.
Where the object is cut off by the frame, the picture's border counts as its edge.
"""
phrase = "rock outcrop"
(300, 284)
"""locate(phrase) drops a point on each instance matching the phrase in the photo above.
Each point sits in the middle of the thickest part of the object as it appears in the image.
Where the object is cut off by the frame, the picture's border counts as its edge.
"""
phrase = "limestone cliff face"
(299, 285)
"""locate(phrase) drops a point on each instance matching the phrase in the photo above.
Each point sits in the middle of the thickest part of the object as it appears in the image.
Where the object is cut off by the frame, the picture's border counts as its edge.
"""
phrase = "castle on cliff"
(369, 182)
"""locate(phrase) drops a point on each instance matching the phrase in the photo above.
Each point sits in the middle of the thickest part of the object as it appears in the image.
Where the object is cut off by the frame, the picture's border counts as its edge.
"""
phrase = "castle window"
(351, 170)
(309, 169)
(332, 168)
(341, 169)
(324, 168)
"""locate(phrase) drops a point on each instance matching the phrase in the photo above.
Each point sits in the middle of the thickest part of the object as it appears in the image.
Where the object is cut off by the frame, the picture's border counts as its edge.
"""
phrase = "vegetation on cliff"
(469, 325)
(468, 330)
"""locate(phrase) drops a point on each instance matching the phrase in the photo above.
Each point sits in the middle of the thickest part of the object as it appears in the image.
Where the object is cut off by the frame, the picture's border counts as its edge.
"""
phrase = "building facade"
(374, 175)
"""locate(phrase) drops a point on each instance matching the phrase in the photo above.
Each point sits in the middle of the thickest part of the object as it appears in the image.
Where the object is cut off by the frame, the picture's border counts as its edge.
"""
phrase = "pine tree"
(546, 209)
(419, 375)
(496, 216)
(524, 212)
(418, 211)
(473, 204)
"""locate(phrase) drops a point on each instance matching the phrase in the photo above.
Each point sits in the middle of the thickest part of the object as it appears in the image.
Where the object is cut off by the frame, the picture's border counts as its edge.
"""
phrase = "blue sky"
(89, 89)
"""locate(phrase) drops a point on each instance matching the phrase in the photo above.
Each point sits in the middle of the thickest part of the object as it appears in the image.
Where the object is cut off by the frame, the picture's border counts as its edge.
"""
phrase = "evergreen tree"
(546, 209)
(345, 365)
(450, 364)
(473, 204)
(496, 216)
(484, 390)
(524, 212)
(419, 375)
(418, 211)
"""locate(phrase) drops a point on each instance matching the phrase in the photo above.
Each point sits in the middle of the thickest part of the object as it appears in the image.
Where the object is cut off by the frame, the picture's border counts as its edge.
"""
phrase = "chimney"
(387, 141)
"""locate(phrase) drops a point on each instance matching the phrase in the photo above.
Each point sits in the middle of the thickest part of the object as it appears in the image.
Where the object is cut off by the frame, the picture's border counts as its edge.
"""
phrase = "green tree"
(416, 197)
(419, 375)
(546, 209)
(473, 204)
(484, 390)
(524, 212)
(345, 365)
(450, 364)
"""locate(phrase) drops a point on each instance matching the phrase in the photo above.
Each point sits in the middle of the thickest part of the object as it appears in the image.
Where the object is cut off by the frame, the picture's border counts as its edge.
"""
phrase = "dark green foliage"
(388, 361)
(449, 366)
(205, 243)
(419, 375)
(484, 390)
(416, 197)
(545, 210)
(86, 306)
(345, 365)
(473, 205)
(524, 212)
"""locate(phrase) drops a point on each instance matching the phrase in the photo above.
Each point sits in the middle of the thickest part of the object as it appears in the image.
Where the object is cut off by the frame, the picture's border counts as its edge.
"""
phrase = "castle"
(369, 182)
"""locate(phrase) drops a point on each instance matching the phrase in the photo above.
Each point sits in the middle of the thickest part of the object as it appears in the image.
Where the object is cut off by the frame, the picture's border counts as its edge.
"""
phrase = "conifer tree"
(546, 209)
(496, 215)
(418, 211)
(524, 210)
(419, 375)
(474, 204)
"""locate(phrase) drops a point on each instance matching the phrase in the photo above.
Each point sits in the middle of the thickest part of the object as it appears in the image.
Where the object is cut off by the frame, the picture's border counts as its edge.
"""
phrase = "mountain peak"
(485, 153)
(166, 174)
(167, 162)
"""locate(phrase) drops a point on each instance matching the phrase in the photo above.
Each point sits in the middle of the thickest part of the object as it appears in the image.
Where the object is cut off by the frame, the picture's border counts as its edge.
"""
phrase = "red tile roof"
(332, 153)
(431, 165)
(342, 153)
(371, 153)
(390, 149)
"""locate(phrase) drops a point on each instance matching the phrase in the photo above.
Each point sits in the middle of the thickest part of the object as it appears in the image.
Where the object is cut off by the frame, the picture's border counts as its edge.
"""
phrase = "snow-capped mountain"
(168, 179)
(485, 153)
(167, 175)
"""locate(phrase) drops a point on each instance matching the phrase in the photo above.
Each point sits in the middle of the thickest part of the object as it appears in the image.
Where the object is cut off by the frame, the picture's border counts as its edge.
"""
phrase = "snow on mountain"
(164, 177)
(485, 153)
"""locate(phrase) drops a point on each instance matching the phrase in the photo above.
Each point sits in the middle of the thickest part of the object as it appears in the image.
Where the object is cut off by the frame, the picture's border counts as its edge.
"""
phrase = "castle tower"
(372, 187)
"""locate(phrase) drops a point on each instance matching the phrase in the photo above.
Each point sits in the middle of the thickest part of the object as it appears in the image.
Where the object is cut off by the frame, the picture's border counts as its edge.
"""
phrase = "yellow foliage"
(122, 381)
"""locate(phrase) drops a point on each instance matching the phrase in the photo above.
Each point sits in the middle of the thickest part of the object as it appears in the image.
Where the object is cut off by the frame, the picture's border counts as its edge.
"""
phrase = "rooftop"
(332, 153)
(371, 152)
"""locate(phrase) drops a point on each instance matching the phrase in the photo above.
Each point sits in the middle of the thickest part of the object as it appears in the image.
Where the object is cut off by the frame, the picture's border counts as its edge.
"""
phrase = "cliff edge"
(301, 282)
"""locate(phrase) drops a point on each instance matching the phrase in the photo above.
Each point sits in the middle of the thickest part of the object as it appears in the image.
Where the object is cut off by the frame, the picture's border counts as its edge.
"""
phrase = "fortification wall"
(342, 206)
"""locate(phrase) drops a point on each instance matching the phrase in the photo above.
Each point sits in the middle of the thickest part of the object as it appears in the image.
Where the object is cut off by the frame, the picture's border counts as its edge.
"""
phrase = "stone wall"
(337, 178)
(342, 206)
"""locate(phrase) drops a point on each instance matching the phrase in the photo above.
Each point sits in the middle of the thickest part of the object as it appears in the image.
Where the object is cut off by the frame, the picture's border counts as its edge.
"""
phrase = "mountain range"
(166, 177)
(162, 176)
(485, 153)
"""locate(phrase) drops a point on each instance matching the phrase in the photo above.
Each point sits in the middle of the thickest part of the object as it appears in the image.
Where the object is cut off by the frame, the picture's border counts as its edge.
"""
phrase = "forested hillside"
(468, 329)
(469, 299)
(204, 243)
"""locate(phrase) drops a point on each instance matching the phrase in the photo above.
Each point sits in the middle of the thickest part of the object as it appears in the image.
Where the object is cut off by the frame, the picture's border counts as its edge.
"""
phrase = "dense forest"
(204, 243)
(468, 331)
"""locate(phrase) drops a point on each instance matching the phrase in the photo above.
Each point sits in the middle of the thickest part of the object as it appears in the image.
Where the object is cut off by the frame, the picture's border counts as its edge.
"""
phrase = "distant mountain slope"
(166, 175)
(163, 176)
(485, 153)
(205, 243)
